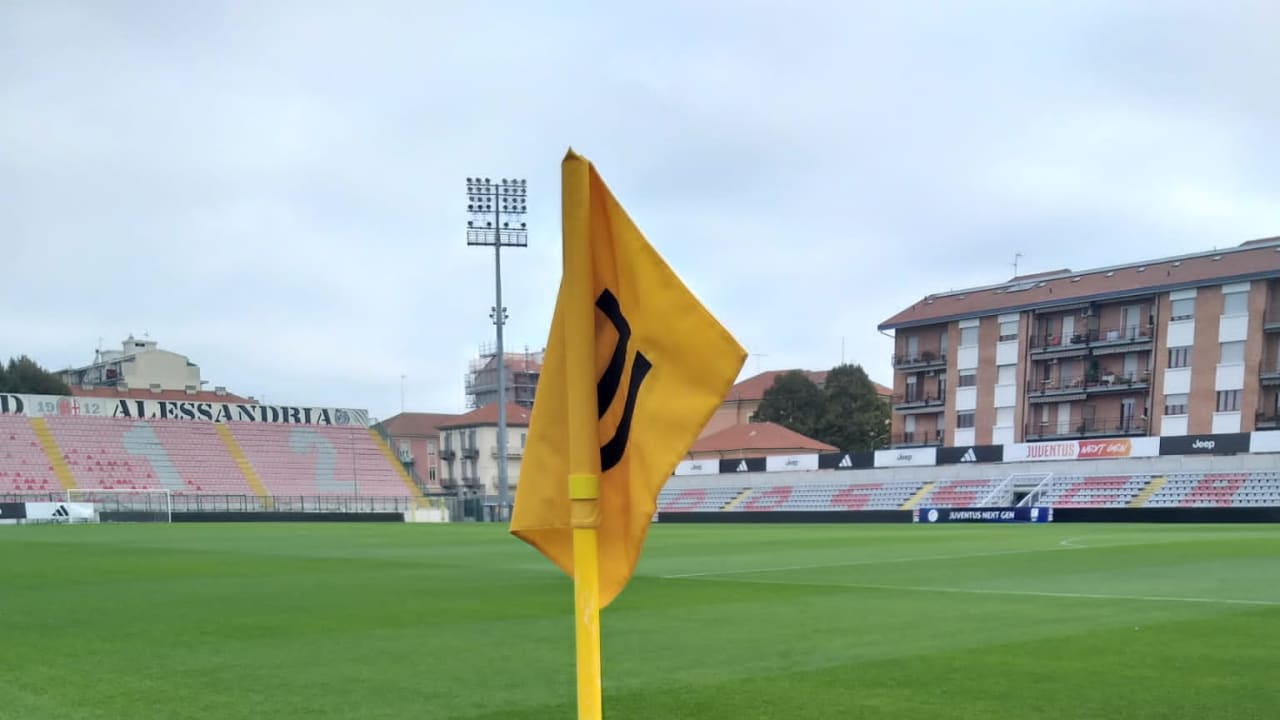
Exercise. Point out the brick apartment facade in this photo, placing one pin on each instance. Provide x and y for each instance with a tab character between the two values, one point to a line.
1175	346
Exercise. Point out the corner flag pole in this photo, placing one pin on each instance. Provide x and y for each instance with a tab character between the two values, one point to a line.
584	443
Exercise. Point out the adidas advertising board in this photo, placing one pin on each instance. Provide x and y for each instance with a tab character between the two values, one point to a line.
742	465
984	515
970	454
846	461
59	511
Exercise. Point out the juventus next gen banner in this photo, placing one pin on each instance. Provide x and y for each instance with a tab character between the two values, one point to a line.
988	515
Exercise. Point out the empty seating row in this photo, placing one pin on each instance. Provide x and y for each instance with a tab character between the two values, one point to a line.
192	457
1249	489
960	493
829	496
1243	489
1079	491
696	499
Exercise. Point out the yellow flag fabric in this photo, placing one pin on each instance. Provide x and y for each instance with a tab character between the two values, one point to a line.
663	365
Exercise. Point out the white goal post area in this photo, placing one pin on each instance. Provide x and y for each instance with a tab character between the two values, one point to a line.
152	505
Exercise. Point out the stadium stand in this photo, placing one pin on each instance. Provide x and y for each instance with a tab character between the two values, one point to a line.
317	460
1218	490
24	467
696	499
1079	491
194	457
959	493
1252	489
829	496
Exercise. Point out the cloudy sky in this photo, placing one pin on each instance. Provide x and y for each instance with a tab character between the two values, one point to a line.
276	189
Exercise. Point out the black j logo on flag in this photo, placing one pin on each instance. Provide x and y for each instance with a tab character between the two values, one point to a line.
611	453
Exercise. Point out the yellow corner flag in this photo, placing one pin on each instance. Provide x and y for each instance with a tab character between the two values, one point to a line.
634	368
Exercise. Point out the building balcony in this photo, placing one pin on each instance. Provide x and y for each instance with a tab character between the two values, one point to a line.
471	453
1106	340
908	403
1270	377
448	454
1271	321
920	361
513	451
471	481
1066	389
916	438
1087	428
1267	421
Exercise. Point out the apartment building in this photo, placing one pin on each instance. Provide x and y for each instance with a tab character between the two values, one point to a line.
1176	346
469	449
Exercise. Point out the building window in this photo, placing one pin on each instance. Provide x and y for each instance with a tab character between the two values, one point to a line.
431	474
968	378
1179	357
968	336
964	420
431	446
1183	309
522	439
1236	303
1175	404
1008	330
1005	375
1004	417
1228	401
1232	352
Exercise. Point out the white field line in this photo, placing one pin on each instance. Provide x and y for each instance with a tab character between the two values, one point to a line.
880	561
1067	544
1016	593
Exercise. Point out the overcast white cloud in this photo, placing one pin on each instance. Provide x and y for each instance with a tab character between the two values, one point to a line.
276	189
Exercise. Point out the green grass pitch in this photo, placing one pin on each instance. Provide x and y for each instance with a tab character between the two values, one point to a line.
738	622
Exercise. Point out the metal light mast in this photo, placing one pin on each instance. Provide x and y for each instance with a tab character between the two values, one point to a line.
497	219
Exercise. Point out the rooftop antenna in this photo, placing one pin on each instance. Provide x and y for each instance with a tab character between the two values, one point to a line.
1016	256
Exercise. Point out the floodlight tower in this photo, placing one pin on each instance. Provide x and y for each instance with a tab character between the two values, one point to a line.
497	219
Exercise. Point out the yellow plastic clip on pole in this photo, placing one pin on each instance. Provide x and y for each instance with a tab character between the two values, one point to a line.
584	442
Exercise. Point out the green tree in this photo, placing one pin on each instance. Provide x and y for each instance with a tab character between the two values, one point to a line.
24	375
793	401
854	417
